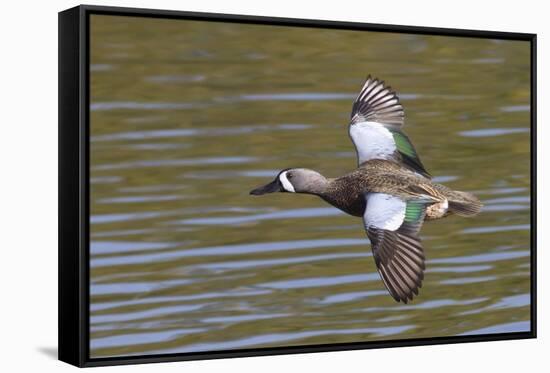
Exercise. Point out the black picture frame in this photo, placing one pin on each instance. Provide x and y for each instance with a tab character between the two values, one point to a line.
73	250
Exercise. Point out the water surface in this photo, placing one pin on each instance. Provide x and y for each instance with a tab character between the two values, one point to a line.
187	117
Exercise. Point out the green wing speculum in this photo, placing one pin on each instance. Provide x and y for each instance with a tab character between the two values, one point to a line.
408	153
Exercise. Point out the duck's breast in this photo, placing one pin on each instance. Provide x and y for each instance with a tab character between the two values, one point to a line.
347	194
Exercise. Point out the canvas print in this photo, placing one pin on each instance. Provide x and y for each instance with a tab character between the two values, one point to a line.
259	186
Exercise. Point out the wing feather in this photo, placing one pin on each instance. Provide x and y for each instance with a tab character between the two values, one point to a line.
375	127
366	107
397	249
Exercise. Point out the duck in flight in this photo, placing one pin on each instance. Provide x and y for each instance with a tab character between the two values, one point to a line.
390	189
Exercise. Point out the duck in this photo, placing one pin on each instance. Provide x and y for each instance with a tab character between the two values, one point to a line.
389	189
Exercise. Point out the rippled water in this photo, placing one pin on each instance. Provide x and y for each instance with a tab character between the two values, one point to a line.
187	117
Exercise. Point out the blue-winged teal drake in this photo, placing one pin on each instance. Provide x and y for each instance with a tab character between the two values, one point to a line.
390	189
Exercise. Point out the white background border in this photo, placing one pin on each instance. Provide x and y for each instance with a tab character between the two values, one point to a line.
28	182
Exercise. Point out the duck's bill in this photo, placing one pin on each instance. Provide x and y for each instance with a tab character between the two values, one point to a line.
274	186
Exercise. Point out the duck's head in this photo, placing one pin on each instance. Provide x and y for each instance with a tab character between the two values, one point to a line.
293	180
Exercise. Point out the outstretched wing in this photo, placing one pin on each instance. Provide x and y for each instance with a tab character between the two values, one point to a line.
375	127
392	226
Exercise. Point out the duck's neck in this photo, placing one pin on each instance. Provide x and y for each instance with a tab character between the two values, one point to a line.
317	185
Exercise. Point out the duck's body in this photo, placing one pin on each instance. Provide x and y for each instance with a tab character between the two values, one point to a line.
390	189
347	192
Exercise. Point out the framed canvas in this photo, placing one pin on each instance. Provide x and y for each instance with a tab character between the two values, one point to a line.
235	186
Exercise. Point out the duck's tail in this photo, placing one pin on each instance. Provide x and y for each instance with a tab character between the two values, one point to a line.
463	203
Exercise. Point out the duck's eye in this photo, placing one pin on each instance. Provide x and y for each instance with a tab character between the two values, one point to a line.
289	175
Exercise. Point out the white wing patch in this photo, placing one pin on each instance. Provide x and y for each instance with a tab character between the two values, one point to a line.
286	183
384	211
372	141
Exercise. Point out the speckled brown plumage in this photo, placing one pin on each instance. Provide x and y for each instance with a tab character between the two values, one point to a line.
380	176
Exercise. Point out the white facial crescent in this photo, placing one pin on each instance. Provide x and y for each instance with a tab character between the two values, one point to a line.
286	184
